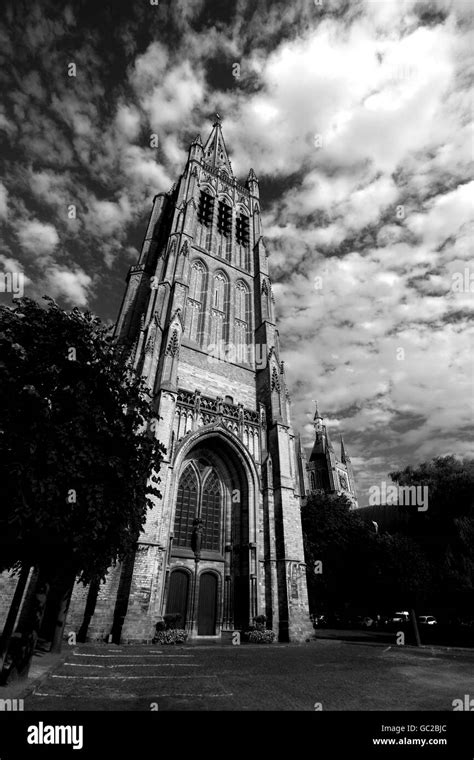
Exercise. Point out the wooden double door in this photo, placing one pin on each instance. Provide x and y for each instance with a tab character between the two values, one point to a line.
179	599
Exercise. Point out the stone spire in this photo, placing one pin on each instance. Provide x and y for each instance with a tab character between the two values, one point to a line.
344	457
215	151
318	417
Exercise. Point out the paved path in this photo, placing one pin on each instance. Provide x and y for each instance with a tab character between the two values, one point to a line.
338	675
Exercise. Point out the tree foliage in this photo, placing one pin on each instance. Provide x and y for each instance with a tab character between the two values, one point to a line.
74	447
445	531
336	536
450	483
402	573
429	559
359	568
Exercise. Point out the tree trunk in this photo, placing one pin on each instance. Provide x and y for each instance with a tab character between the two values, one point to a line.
89	610
61	615
13	613
21	649
123	596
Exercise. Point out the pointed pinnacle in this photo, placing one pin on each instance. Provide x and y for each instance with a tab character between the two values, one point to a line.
317	415
344	457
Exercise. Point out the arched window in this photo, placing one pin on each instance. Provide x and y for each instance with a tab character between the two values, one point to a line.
265	300
242	301
205	216
242	239
218	331
194	309
242	321
197	281
218	292
200	495
224	229
211	512
186	507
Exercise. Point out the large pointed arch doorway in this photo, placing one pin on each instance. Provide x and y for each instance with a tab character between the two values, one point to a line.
210	539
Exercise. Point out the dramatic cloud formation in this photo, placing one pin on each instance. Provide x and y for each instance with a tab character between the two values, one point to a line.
357	119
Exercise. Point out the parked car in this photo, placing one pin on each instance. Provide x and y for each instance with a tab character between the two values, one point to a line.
427	620
401	617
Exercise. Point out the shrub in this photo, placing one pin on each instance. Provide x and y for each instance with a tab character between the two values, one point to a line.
260	622
260	636
170	636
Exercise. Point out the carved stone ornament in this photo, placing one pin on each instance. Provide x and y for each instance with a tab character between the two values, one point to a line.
275	380
173	345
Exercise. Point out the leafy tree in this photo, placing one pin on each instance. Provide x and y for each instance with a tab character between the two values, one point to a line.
402	572
359	568
450	483
75	448
445	531
337	537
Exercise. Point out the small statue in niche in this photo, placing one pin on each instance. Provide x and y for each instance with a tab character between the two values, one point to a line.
196	538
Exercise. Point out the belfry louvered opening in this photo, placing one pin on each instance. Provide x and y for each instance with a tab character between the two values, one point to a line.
224	219
206	209
242	230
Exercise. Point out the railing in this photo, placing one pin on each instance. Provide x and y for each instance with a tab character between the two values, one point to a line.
194	410
225	178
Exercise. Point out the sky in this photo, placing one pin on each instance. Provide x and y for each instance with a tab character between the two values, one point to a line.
357	119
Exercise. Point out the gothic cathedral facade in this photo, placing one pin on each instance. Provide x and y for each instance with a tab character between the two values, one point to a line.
224	543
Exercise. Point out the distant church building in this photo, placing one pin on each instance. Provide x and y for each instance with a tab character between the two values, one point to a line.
324	471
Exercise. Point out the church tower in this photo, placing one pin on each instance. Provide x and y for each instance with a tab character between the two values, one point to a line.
224	543
324	471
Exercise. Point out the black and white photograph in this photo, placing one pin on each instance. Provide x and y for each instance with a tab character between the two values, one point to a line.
236	351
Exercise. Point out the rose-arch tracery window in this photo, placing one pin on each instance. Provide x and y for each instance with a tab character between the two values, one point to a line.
200	495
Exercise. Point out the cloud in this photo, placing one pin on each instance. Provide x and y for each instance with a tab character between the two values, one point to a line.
108	218
71	285
444	215
3	201
128	121
38	238
357	118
